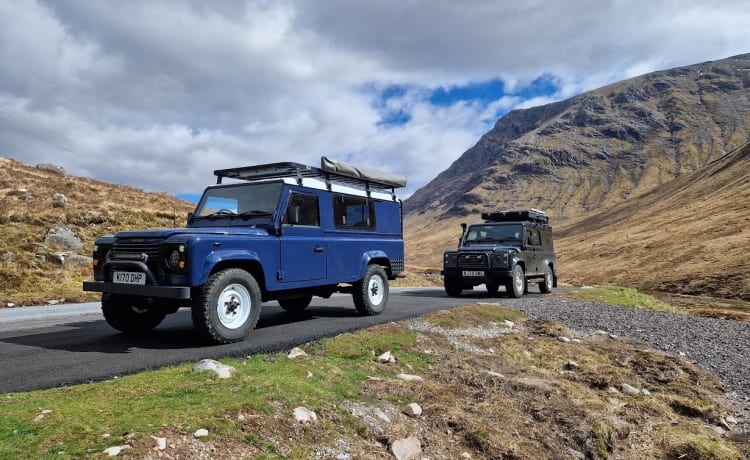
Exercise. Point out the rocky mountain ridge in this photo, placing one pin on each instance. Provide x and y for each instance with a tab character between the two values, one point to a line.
601	147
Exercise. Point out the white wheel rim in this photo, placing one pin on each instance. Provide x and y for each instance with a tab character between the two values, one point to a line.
518	280
233	306
548	280
376	290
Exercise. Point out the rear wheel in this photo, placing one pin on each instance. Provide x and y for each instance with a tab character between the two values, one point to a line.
371	292
295	304
228	306
545	287
131	314
452	286
517	284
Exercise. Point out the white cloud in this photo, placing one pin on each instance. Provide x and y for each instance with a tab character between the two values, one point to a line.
158	94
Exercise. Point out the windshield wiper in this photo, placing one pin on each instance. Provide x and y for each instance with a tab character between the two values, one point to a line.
254	212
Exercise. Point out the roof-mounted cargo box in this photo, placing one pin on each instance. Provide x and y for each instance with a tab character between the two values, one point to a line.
516	215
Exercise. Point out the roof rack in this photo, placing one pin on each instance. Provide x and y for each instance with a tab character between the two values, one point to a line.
515	215
329	171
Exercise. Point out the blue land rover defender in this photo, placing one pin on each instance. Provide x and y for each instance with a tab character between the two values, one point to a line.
281	231
510	248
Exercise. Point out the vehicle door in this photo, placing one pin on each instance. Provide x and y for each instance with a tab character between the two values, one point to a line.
533	251
303	253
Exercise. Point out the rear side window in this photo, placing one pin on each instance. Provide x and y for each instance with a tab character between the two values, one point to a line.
352	212
547	240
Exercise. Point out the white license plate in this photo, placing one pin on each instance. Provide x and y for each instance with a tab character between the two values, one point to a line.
473	274
129	277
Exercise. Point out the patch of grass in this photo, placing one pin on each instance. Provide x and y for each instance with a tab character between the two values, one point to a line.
473	315
619	295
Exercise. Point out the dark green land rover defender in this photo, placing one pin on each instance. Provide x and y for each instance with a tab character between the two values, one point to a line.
511	248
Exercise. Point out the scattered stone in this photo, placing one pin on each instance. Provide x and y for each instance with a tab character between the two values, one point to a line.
296	352
413	410
304	415
731	419
114	451
645	392
65	238
53	302
571	365
222	371
106	436
9	256
575	340
631	390
407	449
682	354
409	377
161	443
613	390
723	423
386	358
465	455
59	170
612	336
202	433
563	339
509	324
41	415
59	200
493	374
10	305
309	375
600	332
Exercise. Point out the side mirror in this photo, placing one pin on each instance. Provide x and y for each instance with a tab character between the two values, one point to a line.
189	217
463	233
292	215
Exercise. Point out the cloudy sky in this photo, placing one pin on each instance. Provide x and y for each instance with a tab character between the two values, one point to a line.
158	94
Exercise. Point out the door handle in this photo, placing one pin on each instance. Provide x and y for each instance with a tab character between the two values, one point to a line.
319	249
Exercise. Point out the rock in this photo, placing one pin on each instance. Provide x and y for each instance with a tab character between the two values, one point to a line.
10	305
57	257
413	410
493	374
409	377
723	423
465	455
221	370
407	449
53	302
296	352
571	365
114	451
202	433
309	375
386	358
9	256
161	443
509	324
628	389
304	415
65	238
59	200
731	419
59	170
645	392
41	415
563	339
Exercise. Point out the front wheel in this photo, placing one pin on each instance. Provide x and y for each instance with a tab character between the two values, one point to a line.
228	306
545	287
517	285
371	292
452	286
130	314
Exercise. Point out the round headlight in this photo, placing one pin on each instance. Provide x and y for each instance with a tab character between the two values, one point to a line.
174	258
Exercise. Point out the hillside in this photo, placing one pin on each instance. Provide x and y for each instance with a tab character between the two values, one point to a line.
599	148
30	269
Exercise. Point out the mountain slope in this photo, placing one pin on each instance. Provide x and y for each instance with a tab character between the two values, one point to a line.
689	236
601	147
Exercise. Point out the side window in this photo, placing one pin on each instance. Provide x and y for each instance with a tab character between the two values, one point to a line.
532	237
351	212
308	208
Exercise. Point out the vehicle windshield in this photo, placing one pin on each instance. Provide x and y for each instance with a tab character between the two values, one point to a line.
240	200
483	234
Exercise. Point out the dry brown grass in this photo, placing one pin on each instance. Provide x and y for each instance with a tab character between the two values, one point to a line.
94	209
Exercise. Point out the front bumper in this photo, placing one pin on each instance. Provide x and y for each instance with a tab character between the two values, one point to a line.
165	292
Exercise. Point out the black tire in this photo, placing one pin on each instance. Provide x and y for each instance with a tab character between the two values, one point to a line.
492	287
370	294
517	284
545	287
295	304
452	286
131	314
228	306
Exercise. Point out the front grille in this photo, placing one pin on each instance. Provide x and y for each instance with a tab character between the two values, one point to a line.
135	249
473	260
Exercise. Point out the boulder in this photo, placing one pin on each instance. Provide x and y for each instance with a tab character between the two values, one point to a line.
407	449
221	370
65	238
57	169
59	200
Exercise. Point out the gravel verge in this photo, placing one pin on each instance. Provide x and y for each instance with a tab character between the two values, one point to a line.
720	346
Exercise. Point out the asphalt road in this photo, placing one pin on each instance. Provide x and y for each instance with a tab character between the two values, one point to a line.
44	347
